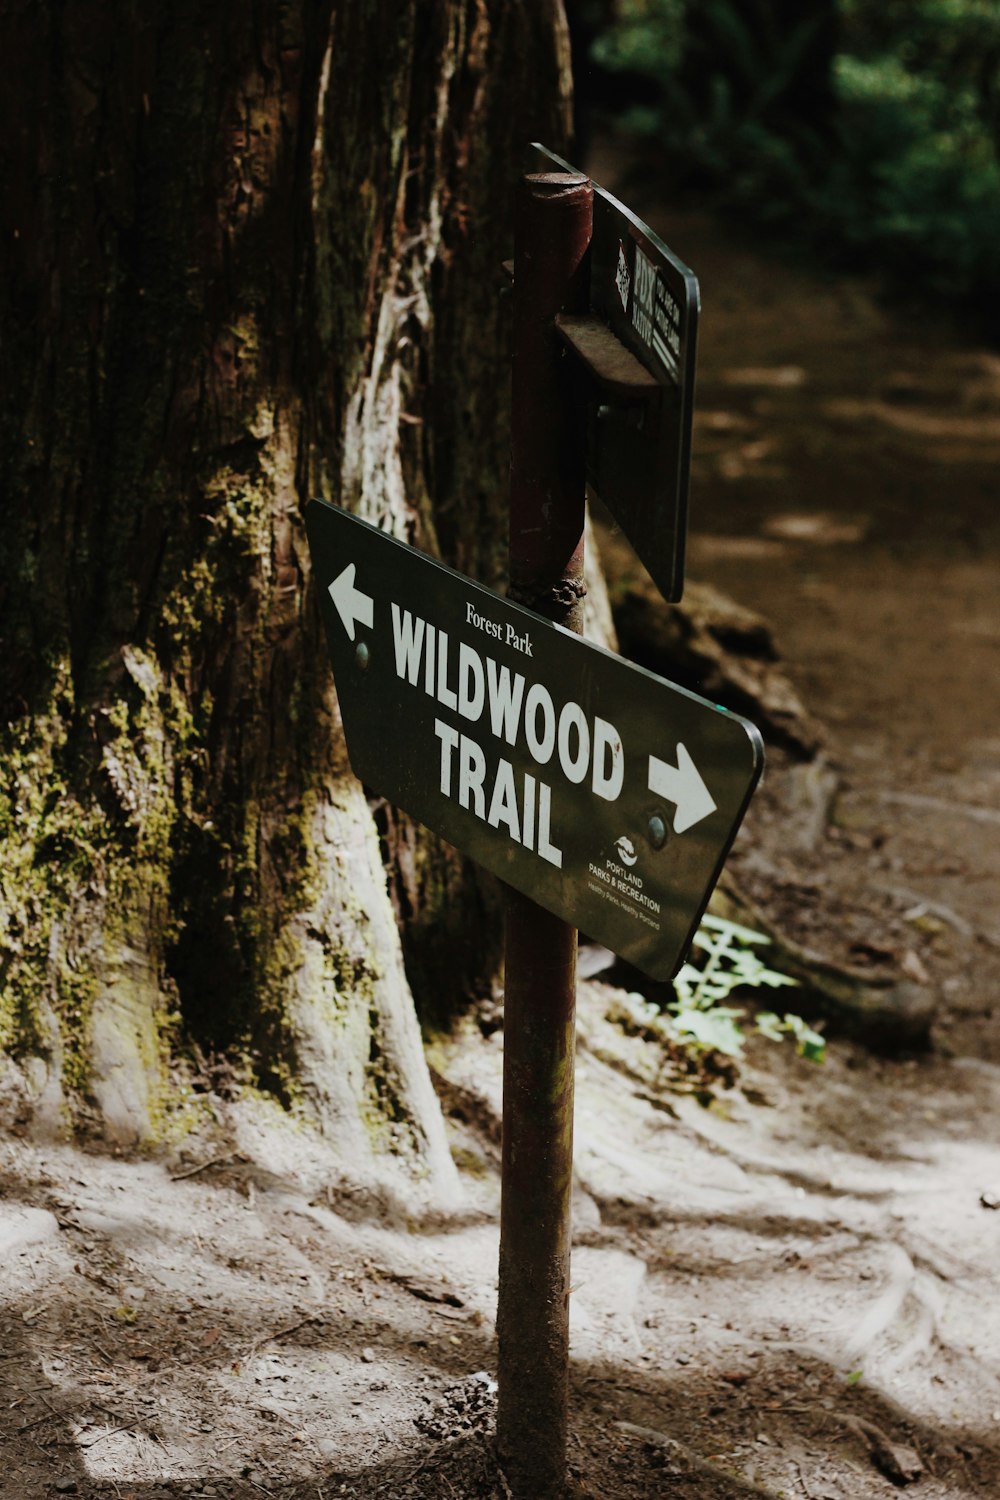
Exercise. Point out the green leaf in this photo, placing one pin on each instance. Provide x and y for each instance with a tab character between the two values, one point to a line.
769	1025
714	1028
700	1012
809	1043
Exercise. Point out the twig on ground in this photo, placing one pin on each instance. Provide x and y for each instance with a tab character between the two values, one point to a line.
213	1161
281	1333
112	1433
257	1486
802	1480
933	908
38	1422
53	1409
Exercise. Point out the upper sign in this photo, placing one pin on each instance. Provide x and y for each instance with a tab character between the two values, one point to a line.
639	456
602	792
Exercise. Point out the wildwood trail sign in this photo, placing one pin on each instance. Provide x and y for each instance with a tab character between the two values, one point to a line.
606	794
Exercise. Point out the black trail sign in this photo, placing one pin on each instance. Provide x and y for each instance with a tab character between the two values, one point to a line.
606	794
639	441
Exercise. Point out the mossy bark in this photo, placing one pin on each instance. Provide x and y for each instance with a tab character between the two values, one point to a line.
248	255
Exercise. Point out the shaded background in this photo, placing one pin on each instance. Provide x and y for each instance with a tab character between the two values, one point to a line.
830	172
863	133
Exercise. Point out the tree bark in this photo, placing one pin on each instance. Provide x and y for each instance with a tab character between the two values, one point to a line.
248	256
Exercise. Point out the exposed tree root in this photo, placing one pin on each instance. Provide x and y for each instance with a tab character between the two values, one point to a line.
890	1013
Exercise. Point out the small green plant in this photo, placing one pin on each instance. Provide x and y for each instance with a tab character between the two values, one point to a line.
731	963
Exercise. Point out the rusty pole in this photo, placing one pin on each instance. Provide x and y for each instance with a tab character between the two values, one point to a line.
552	228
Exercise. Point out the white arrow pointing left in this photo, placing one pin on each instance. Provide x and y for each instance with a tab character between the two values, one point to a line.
682	785
352	605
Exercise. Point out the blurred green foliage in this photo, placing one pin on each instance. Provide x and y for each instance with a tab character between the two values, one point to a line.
867	129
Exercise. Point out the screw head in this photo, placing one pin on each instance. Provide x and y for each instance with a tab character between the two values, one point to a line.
362	656
656	831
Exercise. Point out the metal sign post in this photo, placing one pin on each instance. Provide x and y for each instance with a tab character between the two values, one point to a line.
552	230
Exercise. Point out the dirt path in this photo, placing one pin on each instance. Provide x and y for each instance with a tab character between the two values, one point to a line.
792	1292
845	486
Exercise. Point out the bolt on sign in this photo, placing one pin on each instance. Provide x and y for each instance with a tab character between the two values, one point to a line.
606	794
646	301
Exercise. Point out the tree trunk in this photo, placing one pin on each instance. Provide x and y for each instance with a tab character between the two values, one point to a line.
248	256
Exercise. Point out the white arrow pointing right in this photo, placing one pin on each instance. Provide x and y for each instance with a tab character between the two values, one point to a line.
352	604
682	785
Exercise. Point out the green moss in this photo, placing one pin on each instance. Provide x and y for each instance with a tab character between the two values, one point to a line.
50	857
389	1124
176	1108
76	876
471	1162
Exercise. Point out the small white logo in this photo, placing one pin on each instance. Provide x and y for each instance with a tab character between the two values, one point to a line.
626	851
622	277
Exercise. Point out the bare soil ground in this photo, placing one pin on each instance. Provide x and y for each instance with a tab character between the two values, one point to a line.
789	1290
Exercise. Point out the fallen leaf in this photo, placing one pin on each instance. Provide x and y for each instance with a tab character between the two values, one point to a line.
913	968
428	1291
211	1336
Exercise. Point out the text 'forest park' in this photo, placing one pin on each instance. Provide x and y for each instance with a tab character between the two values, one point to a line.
517	712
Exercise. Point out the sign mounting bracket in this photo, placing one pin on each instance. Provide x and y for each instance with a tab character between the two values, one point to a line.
641	310
611	367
